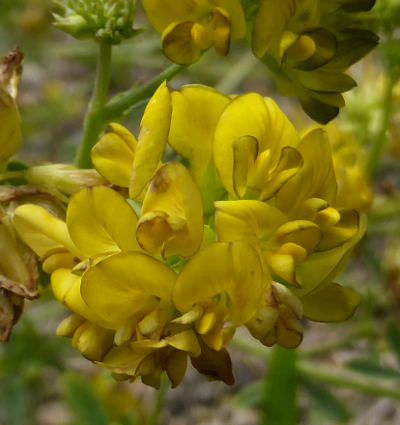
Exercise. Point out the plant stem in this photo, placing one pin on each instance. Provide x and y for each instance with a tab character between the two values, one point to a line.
159	398
280	388
337	378
94	121
124	101
379	142
347	379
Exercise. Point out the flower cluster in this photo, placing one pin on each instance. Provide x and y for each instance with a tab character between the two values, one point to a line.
103	20
165	261
307	44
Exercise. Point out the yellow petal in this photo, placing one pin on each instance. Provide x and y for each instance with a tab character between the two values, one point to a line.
202	36
344	230
122	360
172	213
94	342
69	325
66	288
301	232
101	221
58	260
271	20
245	151
252	115
162	12
231	268
221	24
153	135
236	16
246	115
41	231
290	162
333	303
113	155
321	268
195	113
179	45
121	285
249	220
185	341
316	179
282	265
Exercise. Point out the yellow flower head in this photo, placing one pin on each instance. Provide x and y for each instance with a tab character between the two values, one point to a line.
249	233
189	27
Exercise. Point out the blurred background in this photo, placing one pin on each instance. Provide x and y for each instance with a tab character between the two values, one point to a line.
43	380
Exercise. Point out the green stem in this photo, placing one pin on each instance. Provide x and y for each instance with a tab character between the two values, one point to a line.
339	378
347	379
159	398
94	121
280	388
378	146
126	100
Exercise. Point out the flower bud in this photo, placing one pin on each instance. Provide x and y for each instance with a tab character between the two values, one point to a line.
63	178
103	20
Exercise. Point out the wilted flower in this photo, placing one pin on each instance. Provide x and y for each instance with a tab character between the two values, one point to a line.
10	120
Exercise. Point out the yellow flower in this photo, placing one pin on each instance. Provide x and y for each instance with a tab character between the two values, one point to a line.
125	162
349	160
10	120
189	27
219	289
255	147
133	291
68	247
308	46
195	113
171	220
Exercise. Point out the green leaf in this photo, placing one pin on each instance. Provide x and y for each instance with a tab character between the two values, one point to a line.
17	166
280	388
372	368
249	397
324	401
393	335
84	404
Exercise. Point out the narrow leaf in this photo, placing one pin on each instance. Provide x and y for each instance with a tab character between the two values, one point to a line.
371	368
324	401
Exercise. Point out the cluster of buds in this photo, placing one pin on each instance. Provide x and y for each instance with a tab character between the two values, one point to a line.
166	261
307	44
104	20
